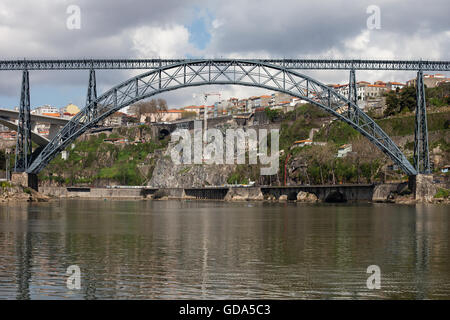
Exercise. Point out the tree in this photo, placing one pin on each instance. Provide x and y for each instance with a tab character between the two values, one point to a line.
156	107
400	101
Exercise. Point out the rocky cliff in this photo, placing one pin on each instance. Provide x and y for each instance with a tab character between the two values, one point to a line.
166	174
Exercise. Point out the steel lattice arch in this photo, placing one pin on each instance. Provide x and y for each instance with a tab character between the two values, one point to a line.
220	72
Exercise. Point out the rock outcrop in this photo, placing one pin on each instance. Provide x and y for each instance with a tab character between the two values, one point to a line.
12	192
385	192
303	196
244	194
169	175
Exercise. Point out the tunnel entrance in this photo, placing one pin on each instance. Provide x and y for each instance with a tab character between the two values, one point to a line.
335	197
163	133
292	196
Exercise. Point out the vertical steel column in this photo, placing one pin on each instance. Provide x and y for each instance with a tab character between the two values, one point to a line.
421	153
92	95
23	142
352	94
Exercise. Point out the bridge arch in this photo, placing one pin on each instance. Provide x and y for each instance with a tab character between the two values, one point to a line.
221	72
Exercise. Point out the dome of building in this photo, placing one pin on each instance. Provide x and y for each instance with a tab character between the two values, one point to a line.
72	109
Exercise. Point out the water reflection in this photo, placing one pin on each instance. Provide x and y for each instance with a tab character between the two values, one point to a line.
207	250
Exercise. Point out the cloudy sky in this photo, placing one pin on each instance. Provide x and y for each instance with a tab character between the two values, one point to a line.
409	29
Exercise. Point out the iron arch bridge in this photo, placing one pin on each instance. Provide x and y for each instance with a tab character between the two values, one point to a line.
220	72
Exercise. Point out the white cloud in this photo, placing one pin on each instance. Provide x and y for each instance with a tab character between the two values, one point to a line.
259	29
169	42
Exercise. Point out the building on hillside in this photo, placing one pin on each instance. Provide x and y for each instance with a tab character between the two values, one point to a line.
162	116
265	100
277	97
254	102
118	119
242	105
374	91
195	109
233	102
46	110
344	150
395	85
295	101
8	135
4	128
199	110
69	111
380	83
302	143
430	80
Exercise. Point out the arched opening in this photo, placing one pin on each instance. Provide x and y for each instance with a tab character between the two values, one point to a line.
163	133
336	197
292	196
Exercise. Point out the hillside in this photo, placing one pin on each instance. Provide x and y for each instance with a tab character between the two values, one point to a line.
128	155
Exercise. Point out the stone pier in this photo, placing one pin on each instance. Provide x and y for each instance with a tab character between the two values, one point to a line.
29	180
422	187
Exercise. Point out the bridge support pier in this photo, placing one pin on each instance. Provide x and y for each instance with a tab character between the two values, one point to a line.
92	94
422	187
29	180
23	143
352	94
421	154
52	131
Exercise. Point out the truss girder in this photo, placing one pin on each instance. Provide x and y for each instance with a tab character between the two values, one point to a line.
236	72
314	64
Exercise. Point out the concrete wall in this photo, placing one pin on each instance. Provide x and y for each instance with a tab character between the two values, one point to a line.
332	193
336	193
97	193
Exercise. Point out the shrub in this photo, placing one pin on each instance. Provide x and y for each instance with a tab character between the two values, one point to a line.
442	193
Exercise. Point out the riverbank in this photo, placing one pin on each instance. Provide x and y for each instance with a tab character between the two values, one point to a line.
381	193
11	192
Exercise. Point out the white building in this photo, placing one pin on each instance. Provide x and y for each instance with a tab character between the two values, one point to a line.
344	150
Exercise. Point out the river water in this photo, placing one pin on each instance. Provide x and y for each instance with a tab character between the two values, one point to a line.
222	250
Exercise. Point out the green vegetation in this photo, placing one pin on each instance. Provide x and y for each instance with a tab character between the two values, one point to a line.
442	193
239	176
404	100
272	114
242	174
184	170
318	164
338	133
5	185
298	123
402	126
400	101
92	160
438	96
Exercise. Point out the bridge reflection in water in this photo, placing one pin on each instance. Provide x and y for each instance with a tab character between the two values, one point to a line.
173	249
